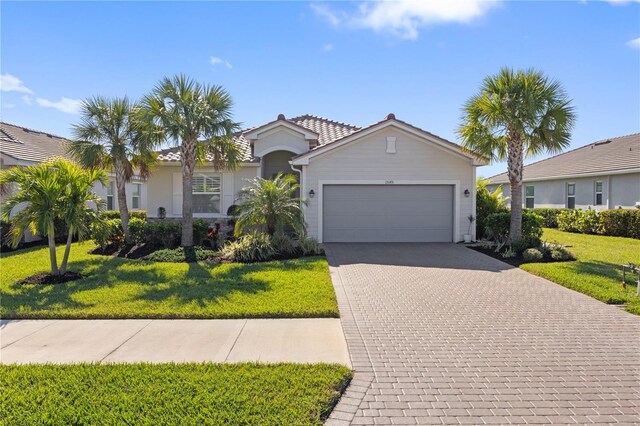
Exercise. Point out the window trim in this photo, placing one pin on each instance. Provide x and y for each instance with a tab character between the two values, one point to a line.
596	193
111	186
571	196
136	195
219	193
527	197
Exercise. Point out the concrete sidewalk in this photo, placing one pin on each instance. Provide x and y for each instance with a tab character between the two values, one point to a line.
264	340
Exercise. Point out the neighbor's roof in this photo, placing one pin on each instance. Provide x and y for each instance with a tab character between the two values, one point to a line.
30	145
604	156
327	130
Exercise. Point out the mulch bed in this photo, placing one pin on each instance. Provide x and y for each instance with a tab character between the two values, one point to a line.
136	251
513	261
45	278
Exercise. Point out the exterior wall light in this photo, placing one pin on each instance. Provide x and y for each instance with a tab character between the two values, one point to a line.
312	193
467	193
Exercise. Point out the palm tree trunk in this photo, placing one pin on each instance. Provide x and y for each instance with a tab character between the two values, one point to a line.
121	182
67	249
188	153
515	166
51	234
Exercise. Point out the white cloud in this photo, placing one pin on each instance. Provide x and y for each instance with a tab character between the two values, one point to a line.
634	44
11	83
327	47
27	99
70	106
404	18
219	61
621	2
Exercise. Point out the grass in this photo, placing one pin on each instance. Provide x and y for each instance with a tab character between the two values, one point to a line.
123	288
170	394
597	271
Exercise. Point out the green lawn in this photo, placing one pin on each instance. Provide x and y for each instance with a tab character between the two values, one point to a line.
170	394
596	272
122	288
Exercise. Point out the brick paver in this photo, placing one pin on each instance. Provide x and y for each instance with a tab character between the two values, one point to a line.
440	334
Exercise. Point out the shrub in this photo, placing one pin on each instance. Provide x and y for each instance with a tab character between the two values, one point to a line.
528	242
284	245
588	222
115	214
532	255
165	233
200	231
254	247
620	223
182	254
107	231
5	234
568	220
560	254
138	230
233	210
509	253
310	246
497	226
549	216
487	203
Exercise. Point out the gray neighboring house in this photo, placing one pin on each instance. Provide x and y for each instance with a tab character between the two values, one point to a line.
387	182
601	175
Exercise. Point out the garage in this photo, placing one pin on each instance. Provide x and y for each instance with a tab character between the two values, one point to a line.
387	213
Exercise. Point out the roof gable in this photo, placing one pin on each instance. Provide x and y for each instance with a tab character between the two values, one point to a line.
281	121
28	145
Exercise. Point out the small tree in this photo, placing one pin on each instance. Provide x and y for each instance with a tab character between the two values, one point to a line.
517	113
270	204
487	202
109	137
54	190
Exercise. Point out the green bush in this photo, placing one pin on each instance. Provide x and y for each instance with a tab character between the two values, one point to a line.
560	254
5	234
487	203
497	226
138	230
620	223
549	216
107	231
528	242
233	210
200	231
182	254
284	245
250	248
568	220
588	222
310	247
115	214
532	255
165	232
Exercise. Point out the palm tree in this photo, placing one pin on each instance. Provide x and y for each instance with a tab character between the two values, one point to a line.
54	190
271	205
109	137
517	114
197	118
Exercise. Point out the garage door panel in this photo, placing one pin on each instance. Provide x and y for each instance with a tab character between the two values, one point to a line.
387	213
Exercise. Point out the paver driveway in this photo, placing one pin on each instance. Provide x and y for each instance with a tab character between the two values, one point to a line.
440	334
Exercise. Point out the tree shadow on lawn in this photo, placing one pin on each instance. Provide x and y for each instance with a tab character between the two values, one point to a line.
198	284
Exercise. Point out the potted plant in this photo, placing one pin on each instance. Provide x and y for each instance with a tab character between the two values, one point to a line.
467	237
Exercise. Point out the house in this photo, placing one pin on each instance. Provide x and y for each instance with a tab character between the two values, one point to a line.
387	182
601	175
22	146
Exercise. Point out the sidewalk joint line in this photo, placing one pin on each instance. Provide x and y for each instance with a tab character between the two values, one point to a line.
30	334
121	344
236	341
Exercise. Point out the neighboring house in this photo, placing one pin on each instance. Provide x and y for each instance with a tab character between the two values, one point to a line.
388	182
602	175
21	146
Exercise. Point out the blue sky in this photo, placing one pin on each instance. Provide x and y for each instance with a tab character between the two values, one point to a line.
350	61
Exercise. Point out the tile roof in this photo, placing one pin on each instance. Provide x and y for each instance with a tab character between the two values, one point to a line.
609	155
30	145
327	130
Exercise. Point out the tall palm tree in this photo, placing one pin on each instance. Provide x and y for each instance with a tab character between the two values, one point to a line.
198	119
517	114
109	137
270	204
54	190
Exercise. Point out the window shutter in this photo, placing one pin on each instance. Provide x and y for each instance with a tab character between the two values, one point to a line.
177	194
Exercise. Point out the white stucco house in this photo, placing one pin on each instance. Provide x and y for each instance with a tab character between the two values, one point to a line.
387	182
601	175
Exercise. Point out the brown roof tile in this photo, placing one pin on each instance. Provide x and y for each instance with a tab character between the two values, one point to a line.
30	145
604	156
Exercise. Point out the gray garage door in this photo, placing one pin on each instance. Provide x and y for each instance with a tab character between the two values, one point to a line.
387	213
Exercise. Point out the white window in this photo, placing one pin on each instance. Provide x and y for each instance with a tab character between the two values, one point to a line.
529	195
110	191
598	191
135	197
571	195
206	192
